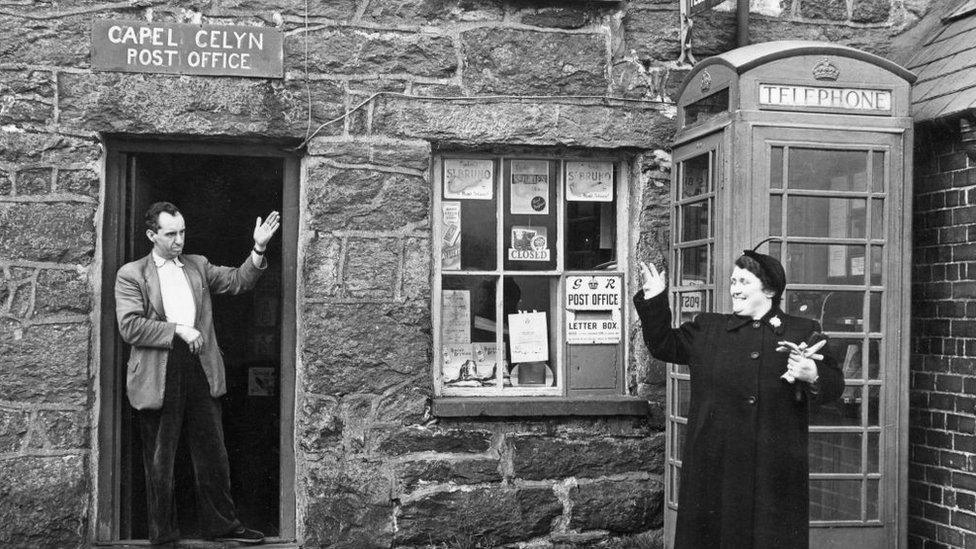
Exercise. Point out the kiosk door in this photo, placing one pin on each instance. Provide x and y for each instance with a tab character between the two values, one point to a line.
832	202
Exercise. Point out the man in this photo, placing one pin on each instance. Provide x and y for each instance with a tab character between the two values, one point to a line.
176	373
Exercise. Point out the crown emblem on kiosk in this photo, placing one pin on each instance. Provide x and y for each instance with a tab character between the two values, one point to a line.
706	81
825	70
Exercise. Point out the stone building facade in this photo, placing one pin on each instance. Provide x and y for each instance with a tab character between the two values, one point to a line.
391	84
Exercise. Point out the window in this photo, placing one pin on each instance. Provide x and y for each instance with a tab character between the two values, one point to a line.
528	296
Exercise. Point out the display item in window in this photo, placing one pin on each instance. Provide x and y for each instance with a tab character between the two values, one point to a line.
744	465
530	187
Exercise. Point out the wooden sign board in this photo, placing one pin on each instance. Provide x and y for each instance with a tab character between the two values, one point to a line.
175	48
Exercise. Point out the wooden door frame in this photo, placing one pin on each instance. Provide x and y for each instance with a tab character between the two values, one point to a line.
111	384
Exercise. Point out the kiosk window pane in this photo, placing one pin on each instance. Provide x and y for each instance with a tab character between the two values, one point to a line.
776	168
847	353
872	503
694	266
826	217
874	361
822	169
682	389
825	264
877	218
707	107
835	499
878	169
775	215
877	254
846	411
694	221
874	451
835	452
695	176
836	311
874	402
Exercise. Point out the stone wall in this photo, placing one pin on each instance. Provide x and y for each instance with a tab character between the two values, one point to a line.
942	466
381	86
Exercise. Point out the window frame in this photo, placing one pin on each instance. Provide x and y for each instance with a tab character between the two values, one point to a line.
557	315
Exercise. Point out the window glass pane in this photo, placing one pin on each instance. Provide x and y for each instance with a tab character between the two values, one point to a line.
591	235
695	180
874	401
877	255
776	168
675	483
847	353
835	452
846	411
467	216
835	311
682	391
775	215
469	357
874	450
694	266
835	499
872	503
877	218
678	444
825	264
878	171
530	215
825	217
530	352
874	362
875	312
823	169
694	221
707	107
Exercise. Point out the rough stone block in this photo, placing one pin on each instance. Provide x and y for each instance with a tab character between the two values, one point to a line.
27	97
653	32
483	122
346	50
405	405
833	10
44	501
29	147
59	40
319	424
322	257
871	11
371	267
342	353
62	233
60	429
338	10
351	199
515	61
414	155
343	521
416	269
421	12
487	516
714	33
557	18
619	506
84	182
6	183
537	457
412	474
150	103
13	429
34	181
44	363
419	439
61	292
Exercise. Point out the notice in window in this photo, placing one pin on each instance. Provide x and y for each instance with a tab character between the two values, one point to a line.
593	327
589	181
450	236
593	293
528	337
455	316
469	365
530	187
529	244
468	179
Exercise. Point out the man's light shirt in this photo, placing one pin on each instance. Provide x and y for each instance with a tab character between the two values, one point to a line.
175	288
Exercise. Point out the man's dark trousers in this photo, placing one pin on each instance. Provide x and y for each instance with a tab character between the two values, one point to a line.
187	408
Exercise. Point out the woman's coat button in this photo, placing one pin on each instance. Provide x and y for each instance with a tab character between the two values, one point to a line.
751	400
756	324
754	355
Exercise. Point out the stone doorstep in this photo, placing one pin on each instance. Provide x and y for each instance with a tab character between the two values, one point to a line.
270	543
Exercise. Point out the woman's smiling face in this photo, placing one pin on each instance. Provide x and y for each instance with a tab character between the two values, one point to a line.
749	298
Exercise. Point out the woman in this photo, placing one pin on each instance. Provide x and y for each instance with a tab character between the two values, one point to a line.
744	465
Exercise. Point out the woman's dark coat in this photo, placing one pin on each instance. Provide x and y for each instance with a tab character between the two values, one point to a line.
744	465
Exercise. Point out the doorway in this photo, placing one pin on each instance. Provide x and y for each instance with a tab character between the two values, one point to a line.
220	189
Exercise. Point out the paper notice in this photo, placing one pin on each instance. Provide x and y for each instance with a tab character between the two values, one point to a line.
450	236
528	337
455	316
468	179
589	181
530	187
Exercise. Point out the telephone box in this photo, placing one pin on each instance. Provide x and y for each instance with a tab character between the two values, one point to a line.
811	143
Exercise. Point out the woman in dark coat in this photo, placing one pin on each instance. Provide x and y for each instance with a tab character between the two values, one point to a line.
744	466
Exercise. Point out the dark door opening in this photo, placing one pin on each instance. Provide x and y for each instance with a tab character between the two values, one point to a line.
220	197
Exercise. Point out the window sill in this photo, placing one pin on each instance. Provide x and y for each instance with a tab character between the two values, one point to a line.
540	406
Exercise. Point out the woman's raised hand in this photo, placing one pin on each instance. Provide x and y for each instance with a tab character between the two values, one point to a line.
652	281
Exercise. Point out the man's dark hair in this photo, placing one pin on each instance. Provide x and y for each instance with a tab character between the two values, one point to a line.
152	214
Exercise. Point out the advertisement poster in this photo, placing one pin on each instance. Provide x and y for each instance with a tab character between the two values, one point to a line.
528	337
589	181
468	179
455	316
593	327
530	187
450	236
593	293
529	244
469	364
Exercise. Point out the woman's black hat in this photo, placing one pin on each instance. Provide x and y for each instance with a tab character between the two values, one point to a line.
771	267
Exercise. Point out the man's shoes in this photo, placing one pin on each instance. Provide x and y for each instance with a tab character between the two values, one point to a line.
242	535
